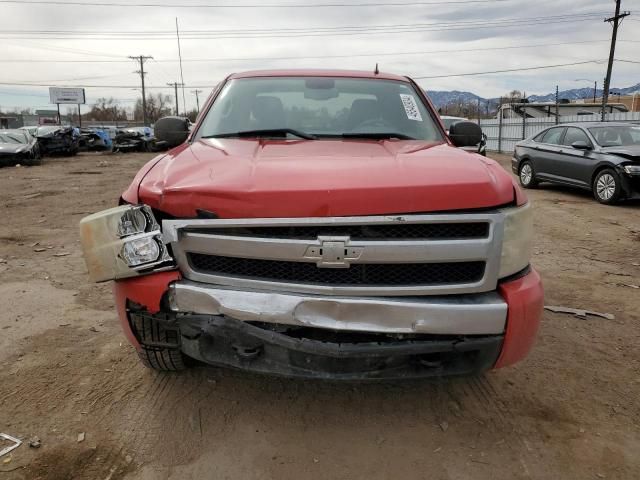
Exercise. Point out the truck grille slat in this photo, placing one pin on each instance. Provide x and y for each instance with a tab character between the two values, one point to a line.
400	274
408	231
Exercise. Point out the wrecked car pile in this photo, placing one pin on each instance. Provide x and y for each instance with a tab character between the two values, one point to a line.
137	139
94	140
58	140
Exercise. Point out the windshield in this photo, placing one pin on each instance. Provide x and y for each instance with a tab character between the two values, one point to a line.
12	137
309	107
616	135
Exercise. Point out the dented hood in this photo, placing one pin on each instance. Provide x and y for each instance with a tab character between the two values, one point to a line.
248	178
630	152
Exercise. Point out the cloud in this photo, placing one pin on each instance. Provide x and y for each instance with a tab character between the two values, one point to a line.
139	22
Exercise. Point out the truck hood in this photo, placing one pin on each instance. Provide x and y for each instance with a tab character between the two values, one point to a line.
249	178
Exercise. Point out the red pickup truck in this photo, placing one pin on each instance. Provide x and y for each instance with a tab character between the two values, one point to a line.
321	224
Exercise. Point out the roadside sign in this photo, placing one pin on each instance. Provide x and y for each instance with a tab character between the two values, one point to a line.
74	96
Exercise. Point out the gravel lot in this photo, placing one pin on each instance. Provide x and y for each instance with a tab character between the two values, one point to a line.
570	411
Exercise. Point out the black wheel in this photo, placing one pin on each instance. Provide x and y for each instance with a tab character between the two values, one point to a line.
152	332
527	175
606	187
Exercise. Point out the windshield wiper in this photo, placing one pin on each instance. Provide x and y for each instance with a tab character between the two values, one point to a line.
273	132
376	135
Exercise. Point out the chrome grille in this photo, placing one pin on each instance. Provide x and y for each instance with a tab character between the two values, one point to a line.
365	256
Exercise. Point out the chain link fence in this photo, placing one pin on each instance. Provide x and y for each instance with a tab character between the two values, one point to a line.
503	134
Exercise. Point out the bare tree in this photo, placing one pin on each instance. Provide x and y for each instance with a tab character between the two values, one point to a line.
157	106
107	109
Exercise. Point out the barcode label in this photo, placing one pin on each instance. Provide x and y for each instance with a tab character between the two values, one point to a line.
411	107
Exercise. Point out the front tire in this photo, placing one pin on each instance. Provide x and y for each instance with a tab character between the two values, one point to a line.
152	332
527	176
607	188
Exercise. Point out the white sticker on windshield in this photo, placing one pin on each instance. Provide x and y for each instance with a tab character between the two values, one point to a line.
411	107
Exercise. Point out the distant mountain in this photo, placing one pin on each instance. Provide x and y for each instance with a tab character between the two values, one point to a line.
442	98
586	93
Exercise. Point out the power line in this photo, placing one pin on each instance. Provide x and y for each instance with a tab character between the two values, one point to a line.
309	57
184	100
422	77
302	29
524	22
74	51
272	5
521	69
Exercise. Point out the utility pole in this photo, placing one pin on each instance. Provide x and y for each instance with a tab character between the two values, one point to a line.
175	85
615	20
595	90
142	59
197	94
557	104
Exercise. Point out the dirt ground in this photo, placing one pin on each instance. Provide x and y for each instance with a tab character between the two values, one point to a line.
570	411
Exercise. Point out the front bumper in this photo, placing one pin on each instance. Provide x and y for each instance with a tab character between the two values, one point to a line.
321	354
339	338
473	314
630	185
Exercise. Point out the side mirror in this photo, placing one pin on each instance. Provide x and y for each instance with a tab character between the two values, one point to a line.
172	131
580	145
465	134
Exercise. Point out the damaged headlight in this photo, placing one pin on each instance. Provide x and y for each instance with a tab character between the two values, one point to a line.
132	222
517	240
122	242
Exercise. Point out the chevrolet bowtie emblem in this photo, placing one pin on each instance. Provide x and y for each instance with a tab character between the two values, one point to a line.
333	252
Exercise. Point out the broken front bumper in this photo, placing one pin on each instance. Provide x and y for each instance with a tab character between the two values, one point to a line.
338	337
315	353
473	314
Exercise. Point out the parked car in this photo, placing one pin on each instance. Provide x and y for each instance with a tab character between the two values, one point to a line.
481	148
320	224
18	147
601	157
57	140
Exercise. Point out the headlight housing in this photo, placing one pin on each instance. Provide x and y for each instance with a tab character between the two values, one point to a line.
123	242
517	240
632	169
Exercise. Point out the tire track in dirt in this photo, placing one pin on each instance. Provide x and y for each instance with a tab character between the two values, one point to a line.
127	447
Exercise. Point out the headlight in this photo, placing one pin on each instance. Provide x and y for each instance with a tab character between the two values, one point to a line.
132	222
122	242
140	251
632	169
517	240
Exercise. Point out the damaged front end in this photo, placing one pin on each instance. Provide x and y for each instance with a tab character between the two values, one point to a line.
403	297
307	352
54	140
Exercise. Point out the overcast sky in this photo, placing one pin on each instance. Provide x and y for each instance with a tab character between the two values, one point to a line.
489	25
